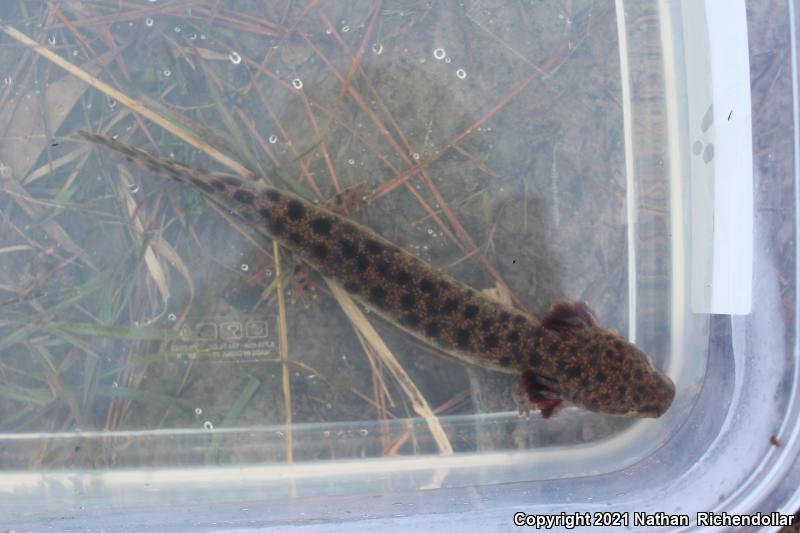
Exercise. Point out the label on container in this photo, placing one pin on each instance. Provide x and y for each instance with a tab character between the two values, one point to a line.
225	339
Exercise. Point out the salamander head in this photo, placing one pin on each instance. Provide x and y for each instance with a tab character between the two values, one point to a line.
610	375
605	373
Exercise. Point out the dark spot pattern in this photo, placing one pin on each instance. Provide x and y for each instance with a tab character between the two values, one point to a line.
377	295
486	324
352	287
534	359
362	263
491	341
553	348
427	286
295	210
319	251
200	184
275	226
245	197
321	226
450	306
383	269
348	248
600	376
410	320
230	180
402	277
273	196
432	330
219	185
462	338
373	246
471	311
505	361
408	301
574	371
513	336
296	238
519	320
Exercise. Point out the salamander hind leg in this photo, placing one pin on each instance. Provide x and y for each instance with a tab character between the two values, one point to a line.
349	201
303	288
533	392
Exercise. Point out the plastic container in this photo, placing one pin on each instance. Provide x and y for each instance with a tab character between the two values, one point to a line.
681	233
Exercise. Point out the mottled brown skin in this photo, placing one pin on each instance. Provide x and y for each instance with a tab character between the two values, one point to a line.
565	357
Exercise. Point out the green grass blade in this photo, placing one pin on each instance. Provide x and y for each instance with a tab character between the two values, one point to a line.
241	402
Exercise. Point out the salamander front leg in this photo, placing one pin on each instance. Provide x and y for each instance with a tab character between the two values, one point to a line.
533	391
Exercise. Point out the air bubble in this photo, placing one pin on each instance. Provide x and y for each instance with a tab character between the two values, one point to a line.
345	29
245	267
133	187
208	425
415	155
235	57
351	161
193	36
198	411
430	231
461	73
115	385
328	31
171	317
377	49
447	59
273	139
177	29
364	432
439	53
52	39
148	21
297	83
167	72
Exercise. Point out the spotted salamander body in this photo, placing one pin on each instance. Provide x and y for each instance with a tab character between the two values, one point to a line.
565	356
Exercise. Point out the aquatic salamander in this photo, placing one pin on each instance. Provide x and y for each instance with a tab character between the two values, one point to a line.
566	356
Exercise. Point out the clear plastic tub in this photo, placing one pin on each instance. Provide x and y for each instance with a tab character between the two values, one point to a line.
633	155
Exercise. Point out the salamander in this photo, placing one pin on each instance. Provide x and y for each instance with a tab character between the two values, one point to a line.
565	356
